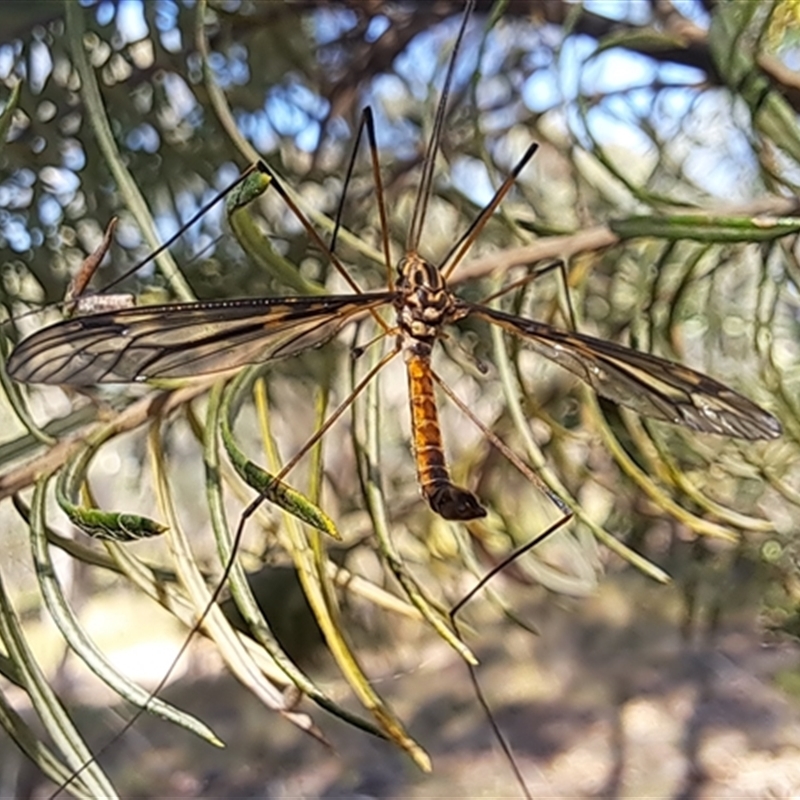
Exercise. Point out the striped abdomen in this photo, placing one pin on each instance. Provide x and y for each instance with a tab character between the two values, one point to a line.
443	496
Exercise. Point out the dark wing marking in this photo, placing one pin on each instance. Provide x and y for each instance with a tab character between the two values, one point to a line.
182	339
647	384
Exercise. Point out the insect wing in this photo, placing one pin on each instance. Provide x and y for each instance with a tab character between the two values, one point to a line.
645	383
182	339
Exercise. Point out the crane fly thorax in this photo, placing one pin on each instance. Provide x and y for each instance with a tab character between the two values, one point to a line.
424	302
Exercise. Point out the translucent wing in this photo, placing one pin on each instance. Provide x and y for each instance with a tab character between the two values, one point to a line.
182	339
649	385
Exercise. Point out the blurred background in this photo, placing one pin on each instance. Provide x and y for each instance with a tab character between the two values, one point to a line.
649	647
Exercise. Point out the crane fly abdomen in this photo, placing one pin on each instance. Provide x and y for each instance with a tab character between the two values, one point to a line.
443	496
423	306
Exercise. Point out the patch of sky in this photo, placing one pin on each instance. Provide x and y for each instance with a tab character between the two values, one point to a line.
16	234
541	91
718	154
338	130
17	191
417	65
331	60
786	167
378	25
623	83
567	70
791	58
327	28
8	58
420	72
307	140
680	74
166	16
329	25
131	24
166	21
50	212
217	212
498	103
238	64
693	11
388	97
621	10
256	128
171	40
230	69
718	176
627	108
306	100
143	137
213	225
14	196
217	64
284	116
225	175
670	109
25	178
552	38
105	13
187	205
608	129
63	183
36	237
617	70
470	177
293	111
181	98
496	90
127	234
196	237
166	219
73	156
41	66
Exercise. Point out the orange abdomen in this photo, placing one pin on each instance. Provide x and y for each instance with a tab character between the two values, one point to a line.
443	496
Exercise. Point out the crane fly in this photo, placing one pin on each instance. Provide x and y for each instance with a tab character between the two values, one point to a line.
183	340
190	339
